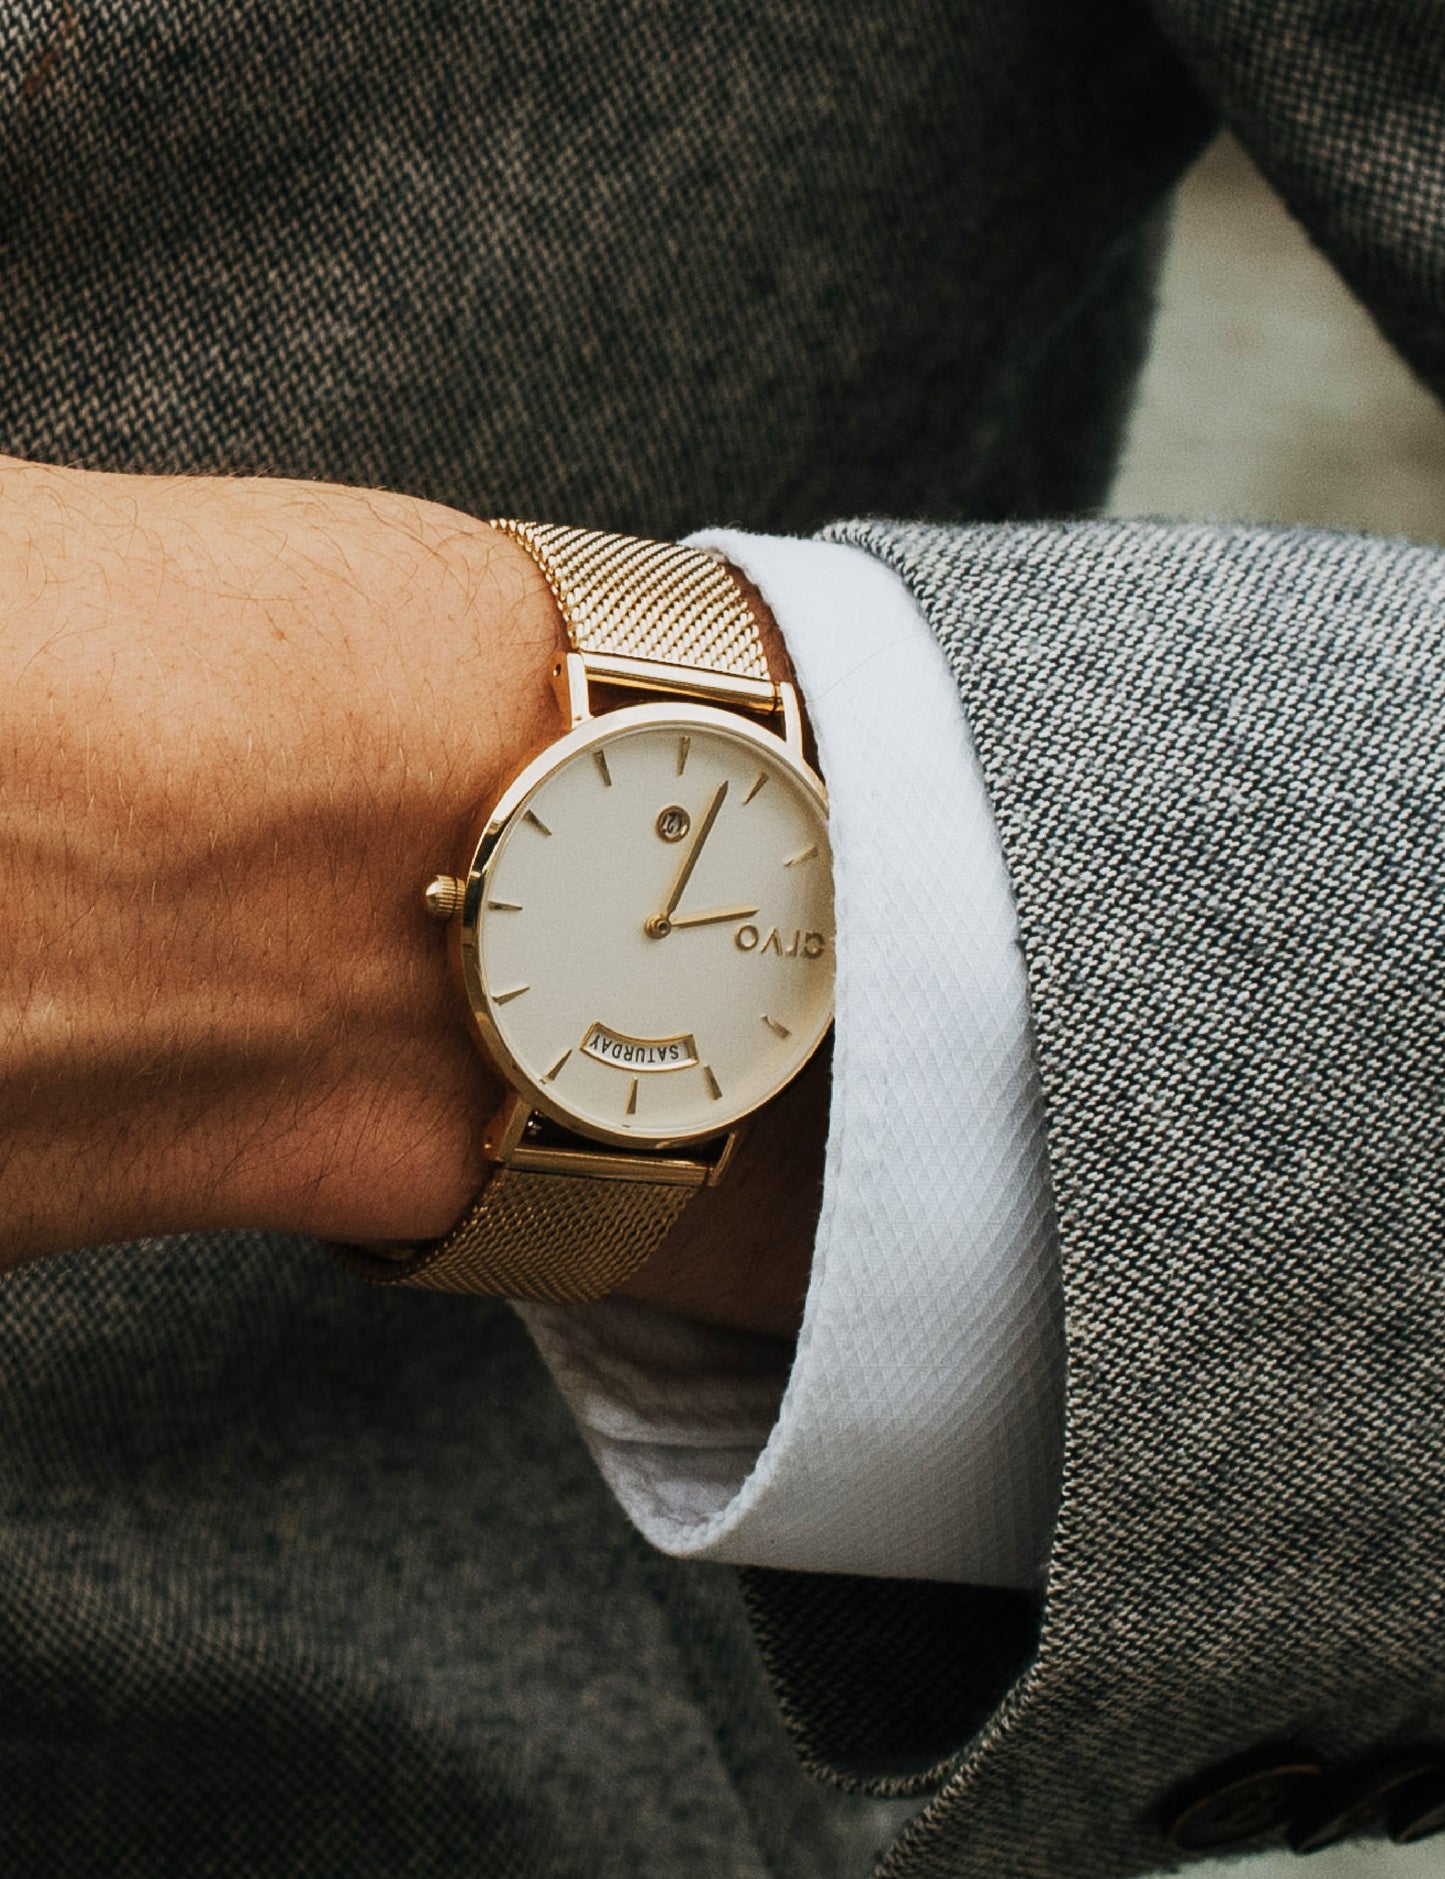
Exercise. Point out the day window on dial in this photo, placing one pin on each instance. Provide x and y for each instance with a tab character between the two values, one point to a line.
639	1053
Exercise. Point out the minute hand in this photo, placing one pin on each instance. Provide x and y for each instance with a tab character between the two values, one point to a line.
662	923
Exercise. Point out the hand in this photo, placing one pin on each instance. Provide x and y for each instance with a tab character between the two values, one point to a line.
742	1253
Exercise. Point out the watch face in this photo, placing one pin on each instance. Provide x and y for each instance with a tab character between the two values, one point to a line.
647	933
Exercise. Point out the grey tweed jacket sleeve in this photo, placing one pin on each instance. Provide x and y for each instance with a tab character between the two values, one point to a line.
1217	759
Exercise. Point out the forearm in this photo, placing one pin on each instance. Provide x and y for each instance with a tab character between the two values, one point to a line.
241	723
239	720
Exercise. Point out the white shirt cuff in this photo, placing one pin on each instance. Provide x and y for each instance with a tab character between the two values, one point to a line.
916	1430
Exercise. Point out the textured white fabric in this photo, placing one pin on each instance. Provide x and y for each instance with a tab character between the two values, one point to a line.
916	1431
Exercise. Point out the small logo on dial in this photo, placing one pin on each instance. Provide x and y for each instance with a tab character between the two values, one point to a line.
797	945
673	823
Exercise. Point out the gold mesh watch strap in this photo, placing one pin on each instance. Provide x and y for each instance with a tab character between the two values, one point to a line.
662	611
562	1237
651	601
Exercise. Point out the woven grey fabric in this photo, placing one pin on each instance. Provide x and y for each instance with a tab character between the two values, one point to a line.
298	1578
301	1578
1341	106
1218	766
632	266
1214	758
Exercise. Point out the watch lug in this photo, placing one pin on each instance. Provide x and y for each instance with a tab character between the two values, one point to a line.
725	1155
665	679
575	672
507	1139
569	682
503	1134
792	717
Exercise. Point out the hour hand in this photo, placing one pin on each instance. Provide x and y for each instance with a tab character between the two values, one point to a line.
713	918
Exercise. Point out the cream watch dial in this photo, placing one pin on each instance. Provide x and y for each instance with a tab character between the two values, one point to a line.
647	939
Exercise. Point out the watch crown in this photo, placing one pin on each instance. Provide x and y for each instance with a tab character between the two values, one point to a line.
443	896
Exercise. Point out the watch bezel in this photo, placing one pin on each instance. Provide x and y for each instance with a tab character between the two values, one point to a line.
513	801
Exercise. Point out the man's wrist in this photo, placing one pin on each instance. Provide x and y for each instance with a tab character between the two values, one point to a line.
241	720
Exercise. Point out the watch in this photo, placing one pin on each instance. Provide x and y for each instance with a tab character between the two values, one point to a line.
641	930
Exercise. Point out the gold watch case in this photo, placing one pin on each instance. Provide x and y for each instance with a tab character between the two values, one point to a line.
535	1094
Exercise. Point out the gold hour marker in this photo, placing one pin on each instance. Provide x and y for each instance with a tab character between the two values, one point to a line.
557	1066
778	1030
762	778
536	822
807	855
503	998
632	1098
712	1084
504	906
684	745
599	757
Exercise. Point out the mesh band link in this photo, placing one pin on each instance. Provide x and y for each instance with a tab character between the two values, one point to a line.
528	1235
646	600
